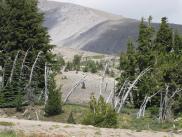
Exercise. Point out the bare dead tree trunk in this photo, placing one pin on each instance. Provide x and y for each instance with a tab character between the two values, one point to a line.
32	69
131	87
109	97
3	75
131	98
74	87
106	88
102	79
141	112
24	59
46	85
161	108
166	104
113	97
123	88
13	68
37	116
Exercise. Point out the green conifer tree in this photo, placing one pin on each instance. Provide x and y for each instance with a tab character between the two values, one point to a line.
164	37
22	30
71	119
54	104
100	114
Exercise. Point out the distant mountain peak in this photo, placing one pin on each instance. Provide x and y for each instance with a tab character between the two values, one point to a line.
79	27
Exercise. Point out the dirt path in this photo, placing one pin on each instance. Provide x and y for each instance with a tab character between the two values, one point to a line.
52	129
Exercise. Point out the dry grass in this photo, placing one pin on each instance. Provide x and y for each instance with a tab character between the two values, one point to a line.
8	124
22	134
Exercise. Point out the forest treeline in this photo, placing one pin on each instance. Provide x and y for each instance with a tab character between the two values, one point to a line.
161	52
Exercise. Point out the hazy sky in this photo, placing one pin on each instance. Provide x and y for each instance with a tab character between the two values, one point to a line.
137	8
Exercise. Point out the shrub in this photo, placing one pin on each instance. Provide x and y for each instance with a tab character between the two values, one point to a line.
100	114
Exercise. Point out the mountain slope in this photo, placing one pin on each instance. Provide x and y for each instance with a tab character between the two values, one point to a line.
74	26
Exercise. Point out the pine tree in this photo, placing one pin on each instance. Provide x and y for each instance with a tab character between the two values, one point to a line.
54	104
100	114
71	119
128	63
145	45
164	37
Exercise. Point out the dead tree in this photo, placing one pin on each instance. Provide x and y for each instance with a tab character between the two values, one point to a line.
122	90
23	62
32	69
109	97
73	88
102	79
46	84
28	88
113	97
141	112
105	90
2	77
129	89
112	92
166	103
13	68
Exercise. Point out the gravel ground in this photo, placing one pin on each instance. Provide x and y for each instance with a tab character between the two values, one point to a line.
52	129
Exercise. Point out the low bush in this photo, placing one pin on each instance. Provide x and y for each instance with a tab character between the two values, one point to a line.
100	114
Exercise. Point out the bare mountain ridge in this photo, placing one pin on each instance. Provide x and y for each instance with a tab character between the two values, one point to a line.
79	27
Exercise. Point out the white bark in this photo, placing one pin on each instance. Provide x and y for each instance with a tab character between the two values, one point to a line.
107	101
102	79
106	87
24	59
74	87
13	68
37	115
131	87
121	90
32	69
141	112
2	77
166	104
111	93
113	97
46	84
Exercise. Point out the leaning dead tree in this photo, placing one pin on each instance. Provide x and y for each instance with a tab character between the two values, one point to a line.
166	102
46	84
1	77
141	112
13	68
129	88
122	91
112	94
23	62
103	78
32	69
28	88
73	88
